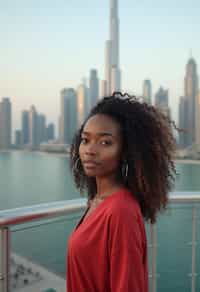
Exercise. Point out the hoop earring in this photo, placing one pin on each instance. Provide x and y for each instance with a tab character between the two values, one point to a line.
75	168
125	170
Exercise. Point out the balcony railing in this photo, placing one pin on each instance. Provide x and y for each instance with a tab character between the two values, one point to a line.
13	217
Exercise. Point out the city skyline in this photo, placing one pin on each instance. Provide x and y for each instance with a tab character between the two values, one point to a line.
48	46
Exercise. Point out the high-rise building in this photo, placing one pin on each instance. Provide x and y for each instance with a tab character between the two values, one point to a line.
41	128
25	127
112	70
103	91
5	123
33	137
161	101
50	132
18	138
68	117
197	122
147	91
183	121
191	92
93	87
82	104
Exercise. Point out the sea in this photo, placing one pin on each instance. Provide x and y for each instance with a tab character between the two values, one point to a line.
29	178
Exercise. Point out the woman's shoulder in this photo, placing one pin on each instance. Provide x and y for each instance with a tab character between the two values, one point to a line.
124	204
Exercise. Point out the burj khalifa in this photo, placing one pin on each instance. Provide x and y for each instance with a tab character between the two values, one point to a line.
112	70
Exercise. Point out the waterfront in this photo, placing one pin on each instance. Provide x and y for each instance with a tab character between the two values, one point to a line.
28	178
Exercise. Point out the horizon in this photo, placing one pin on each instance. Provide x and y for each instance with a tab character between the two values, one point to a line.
48	46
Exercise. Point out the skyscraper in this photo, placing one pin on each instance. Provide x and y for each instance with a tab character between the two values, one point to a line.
147	91
112	70
41	128
197	121
183	121
50	130
33	137
103	89
82	103
25	127
5	123
161	101
191	93
18	138
68	117
93	87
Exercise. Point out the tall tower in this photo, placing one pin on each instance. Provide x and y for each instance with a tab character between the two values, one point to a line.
41	128
5	123
93	87
68	116
197	120
25	127
82	104
112	70
33	116
50	130
161	101
191	93
183	121
147	91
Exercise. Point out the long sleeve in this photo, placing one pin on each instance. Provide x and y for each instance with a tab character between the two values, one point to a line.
128	263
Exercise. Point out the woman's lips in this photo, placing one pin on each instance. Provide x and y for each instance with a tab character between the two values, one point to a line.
90	164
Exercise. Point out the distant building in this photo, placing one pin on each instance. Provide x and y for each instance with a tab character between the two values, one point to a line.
183	122
93	87
33	139
197	122
191	92
161	101
147	91
68	116
25	127
82	104
5	123
50	132
103	89
18	138
112	70
41	128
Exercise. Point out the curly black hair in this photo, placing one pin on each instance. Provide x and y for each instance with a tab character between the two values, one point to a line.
148	148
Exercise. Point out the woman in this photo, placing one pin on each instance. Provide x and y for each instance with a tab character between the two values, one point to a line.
122	157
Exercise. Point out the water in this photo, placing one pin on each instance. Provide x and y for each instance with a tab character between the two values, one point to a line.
28	178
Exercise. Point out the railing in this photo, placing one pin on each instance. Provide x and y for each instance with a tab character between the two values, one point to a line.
9	218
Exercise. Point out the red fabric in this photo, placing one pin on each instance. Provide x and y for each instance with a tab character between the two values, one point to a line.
107	252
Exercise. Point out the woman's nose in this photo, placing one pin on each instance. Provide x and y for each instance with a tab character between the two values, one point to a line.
91	149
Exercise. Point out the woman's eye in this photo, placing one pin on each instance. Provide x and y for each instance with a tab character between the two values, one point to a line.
84	140
104	142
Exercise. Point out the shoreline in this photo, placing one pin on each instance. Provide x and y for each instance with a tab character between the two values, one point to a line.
66	155
55	154
187	161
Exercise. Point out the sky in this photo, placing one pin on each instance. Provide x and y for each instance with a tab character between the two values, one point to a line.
46	45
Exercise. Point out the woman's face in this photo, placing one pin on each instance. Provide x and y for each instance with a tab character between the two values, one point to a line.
101	146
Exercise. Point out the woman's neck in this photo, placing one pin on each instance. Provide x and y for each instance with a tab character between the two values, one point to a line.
106	186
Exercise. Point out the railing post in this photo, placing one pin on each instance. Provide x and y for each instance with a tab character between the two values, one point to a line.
153	257
194	243
4	259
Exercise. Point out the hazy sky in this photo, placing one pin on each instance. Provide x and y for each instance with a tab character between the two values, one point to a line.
46	45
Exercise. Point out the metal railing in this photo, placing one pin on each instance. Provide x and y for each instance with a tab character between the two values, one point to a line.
12	217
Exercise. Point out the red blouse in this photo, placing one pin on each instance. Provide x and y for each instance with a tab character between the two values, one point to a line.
107	252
